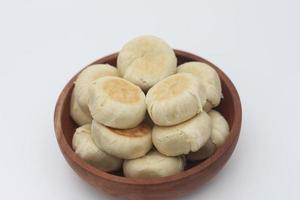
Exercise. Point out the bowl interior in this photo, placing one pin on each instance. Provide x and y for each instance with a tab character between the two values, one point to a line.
226	107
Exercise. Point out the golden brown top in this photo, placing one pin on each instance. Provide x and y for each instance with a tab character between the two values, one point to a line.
139	131
171	86
121	90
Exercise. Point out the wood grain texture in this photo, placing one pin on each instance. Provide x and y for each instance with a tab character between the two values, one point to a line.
170	187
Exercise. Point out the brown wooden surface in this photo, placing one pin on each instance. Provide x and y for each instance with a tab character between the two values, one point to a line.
154	188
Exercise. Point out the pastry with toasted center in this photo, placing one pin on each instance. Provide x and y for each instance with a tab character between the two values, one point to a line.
123	143
86	77
175	99
116	102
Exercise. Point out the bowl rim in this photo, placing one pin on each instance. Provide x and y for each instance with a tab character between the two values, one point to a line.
233	136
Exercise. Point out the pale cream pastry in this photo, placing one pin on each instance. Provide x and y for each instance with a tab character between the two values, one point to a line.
220	128
123	143
86	149
116	102
153	164
145	60
78	115
175	99
208	77
86	77
219	133
183	138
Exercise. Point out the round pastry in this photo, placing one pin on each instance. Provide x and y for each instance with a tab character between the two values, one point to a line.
146	60
220	128
209	78
154	164
86	149
123	143
219	133
86	77
175	99
116	102
78	115
183	138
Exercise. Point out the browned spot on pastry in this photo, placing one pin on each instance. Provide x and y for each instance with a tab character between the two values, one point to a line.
121	90
171	87
139	131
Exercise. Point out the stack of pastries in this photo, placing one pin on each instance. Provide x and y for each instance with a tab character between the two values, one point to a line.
147	115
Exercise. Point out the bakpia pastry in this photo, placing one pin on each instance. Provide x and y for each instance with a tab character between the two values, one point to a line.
147	112
116	102
175	99
123	143
219	133
78	115
154	164
183	138
86	149
220	128
146	60
86	77
209	78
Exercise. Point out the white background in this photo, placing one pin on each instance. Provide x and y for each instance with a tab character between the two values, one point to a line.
44	43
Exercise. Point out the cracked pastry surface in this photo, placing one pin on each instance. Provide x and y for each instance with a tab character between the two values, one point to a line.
183	138
123	143
86	77
209	78
145	60
175	99
86	149
219	133
116	102
153	164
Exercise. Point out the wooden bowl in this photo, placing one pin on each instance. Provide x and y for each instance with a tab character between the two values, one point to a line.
155	188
